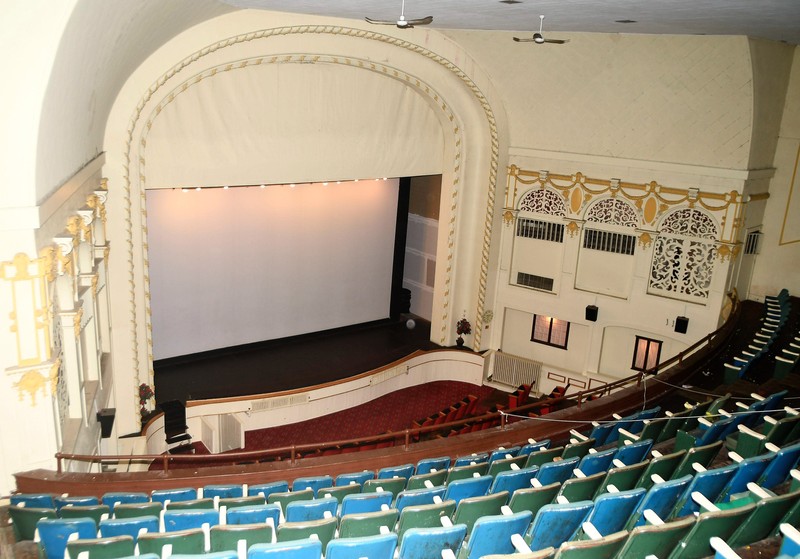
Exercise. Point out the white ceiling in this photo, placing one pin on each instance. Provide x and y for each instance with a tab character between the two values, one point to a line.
778	20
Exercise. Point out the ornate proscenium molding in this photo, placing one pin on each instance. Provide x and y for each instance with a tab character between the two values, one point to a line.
652	200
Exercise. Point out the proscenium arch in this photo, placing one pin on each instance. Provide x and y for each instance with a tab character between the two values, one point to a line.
162	91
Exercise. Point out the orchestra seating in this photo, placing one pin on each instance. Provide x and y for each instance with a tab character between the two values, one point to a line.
680	498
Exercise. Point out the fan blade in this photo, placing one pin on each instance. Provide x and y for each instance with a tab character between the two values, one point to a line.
421	21
380	21
557	41
517	39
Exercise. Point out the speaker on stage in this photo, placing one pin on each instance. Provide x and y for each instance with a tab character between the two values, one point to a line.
175	422
591	313
681	324
106	419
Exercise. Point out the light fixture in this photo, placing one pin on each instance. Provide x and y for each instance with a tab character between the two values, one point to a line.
537	38
184	190
291	185
325	183
197	188
263	186
226	187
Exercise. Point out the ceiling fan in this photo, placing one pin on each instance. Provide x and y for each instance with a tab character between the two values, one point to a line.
539	38
402	23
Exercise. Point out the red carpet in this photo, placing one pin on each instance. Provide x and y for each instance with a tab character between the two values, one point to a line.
393	412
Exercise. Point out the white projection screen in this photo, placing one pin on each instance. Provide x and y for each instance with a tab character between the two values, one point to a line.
240	265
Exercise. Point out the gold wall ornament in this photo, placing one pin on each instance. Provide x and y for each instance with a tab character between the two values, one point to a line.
650	210
573	228
727	251
76	322
645	240
32	382
508	218
576	201
29	305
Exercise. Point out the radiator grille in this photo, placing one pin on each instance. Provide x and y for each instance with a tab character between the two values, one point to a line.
512	370
282	402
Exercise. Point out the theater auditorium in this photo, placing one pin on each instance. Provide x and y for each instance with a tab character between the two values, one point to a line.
399	279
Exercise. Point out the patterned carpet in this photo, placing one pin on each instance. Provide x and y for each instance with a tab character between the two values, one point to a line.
392	412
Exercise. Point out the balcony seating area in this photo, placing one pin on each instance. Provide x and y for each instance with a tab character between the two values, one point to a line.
606	492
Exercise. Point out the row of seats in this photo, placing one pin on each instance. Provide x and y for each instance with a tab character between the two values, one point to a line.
512	471
776	312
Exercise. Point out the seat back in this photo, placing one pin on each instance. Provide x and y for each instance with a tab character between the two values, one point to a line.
492	534
95	512
35	500
582	488
469	510
748	470
102	548
534	446
623	477
132	510
533	498
367	523
503	453
424	543
357	477
228	537
323	530
223	491
543	456
381	546
779	467
190	518
703	455
404	471
664	465
236	502
661	499
254	514
600	433
390	485
558	471
466	472
339	492
578	449
424	516
418	481
293	549
128	526
655	540
181	494
315	509
267	489
612	510
427	465
115	497
182	541
597	462
513	480
710	483
476	458
365	502
672	424
506	464
418	497
314	483
764	520
192	504
634	452
723	523
284	498
556	523
76	501
24	519
55	532
603	548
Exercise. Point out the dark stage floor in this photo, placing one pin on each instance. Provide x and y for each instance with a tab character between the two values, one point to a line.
289	363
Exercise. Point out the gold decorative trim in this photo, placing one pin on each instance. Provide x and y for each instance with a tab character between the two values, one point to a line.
76	322
28	279
33	381
781	240
651	199
369	65
645	239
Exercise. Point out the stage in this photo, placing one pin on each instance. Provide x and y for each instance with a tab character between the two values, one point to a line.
289	363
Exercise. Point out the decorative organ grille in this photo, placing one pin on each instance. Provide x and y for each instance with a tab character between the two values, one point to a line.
537	282
542	230
608	241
